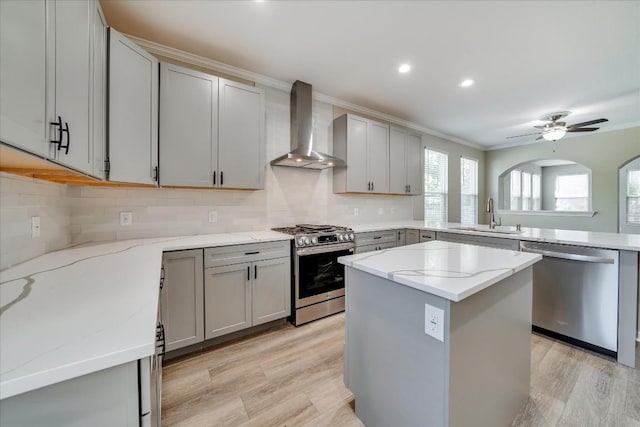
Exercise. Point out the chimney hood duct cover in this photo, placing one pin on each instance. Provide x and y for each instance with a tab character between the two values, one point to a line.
302	154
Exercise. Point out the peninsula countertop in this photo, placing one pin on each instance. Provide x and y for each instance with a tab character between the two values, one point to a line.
449	270
619	241
87	308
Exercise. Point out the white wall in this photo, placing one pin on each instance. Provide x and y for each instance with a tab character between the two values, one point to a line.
603	153
20	199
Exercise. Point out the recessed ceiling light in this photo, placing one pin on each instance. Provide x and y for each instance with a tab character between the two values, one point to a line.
466	83
404	68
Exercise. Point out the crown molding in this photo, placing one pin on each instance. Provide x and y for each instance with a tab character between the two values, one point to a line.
201	61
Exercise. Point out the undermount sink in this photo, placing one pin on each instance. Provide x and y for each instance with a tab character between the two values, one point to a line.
487	230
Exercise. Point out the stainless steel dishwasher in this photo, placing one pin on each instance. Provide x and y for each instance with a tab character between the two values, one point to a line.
575	294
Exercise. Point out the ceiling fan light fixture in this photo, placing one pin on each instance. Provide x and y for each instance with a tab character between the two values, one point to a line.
554	133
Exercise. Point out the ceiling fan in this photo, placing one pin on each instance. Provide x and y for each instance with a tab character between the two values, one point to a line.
556	129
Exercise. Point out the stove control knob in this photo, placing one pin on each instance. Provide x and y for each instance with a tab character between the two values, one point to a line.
306	240
341	237
314	240
351	236
301	241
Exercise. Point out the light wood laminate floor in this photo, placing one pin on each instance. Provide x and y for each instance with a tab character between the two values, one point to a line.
291	376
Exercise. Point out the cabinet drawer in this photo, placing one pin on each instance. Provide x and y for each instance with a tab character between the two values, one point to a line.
235	254
376	238
376	247
425	236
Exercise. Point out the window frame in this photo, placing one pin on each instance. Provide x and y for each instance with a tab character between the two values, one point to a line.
477	189
623	225
444	215
588	196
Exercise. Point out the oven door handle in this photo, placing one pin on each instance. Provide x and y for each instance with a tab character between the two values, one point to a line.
325	249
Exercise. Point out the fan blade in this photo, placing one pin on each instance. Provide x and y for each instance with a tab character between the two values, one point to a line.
540	127
591	122
526	134
582	129
538	138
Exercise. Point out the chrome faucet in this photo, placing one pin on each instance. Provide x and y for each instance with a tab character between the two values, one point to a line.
492	217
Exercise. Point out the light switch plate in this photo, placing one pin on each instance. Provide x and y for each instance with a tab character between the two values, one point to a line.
35	227
434	322
213	216
126	218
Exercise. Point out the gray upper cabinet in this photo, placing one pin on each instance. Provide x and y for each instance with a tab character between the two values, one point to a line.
215	126
99	101
188	126
182	298
133	112
23	75
241	135
364	145
405	154
73	83
46	79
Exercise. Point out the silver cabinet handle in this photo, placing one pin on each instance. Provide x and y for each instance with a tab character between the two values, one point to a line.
567	256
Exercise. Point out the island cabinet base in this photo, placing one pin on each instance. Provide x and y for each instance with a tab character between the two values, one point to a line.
400	376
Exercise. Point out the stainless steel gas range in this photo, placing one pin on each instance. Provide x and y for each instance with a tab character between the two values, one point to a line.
318	278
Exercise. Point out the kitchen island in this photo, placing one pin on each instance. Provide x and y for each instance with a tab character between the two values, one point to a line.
438	334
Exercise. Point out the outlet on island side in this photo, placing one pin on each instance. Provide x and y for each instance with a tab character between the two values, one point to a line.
126	218
213	216
35	227
434	322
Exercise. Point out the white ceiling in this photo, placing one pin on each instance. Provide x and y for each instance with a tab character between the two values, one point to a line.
528	58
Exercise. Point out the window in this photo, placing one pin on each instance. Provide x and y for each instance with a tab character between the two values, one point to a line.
469	191
435	186
572	192
633	196
629	221
524	191
516	192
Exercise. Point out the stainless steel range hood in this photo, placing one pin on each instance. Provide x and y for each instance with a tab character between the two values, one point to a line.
302	154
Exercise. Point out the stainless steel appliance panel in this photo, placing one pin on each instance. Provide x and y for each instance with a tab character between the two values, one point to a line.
575	292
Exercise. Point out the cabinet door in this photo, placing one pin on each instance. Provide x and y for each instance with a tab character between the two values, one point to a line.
415	174
133	112
357	175
241	136
188	126
378	155
73	21
401	238
398	161
23	75
412	236
183	298
99	90
227	299
271	293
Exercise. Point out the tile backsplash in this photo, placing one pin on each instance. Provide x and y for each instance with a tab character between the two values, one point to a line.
22	198
83	214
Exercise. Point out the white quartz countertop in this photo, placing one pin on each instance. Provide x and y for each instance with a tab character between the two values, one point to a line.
630	242
87	308
449	270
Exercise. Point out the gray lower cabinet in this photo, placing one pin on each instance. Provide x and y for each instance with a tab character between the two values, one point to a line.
401	237
227	304
412	236
491	242
183	298
426	236
375	240
105	398
246	285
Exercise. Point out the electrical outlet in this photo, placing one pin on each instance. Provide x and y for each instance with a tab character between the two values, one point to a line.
434	322
380	211
213	216
356	211
35	227
126	218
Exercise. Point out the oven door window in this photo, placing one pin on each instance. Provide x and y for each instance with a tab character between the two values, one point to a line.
320	273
